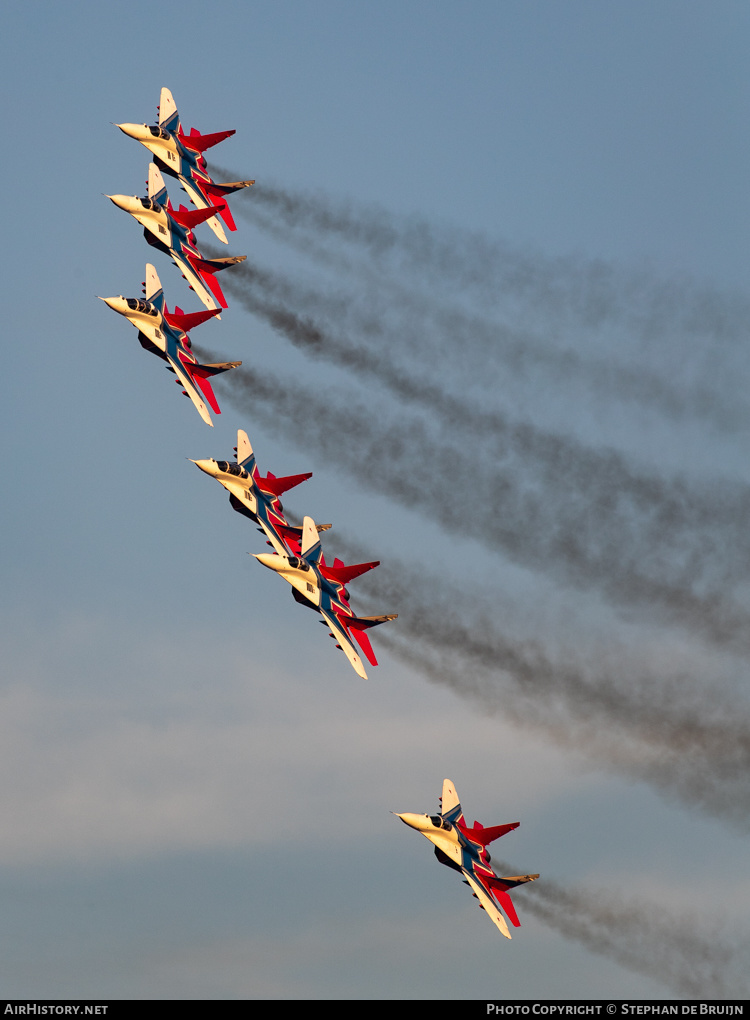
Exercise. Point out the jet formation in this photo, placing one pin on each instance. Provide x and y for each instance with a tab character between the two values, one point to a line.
181	156
297	554
465	850
171	231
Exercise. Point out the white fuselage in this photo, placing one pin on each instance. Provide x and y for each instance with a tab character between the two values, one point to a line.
159	141
150	215
142	314
445	839
149	321
301	577
237	481
165	147
155	219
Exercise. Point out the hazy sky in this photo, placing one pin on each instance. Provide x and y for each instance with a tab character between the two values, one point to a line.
496	301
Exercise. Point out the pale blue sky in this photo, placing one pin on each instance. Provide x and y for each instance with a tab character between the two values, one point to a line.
197	787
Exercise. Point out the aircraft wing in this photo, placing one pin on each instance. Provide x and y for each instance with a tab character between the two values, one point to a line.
168	116
292	536
344	574
200	203
490	907
153	288
345	642
245	455
197	282
284	537
274	535
450	805
190	388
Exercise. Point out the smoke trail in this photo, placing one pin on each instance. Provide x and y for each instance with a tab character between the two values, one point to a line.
560	460
584	292
692	755
488	349
663	730
658	546
694	748
651	941
288	307
659	729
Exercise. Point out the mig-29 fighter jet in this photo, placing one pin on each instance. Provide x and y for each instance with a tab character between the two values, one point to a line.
181	156
164	333
465	850
171	231
257	497
323	589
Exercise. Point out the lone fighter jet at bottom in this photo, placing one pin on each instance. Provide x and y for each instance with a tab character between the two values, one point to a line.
465	850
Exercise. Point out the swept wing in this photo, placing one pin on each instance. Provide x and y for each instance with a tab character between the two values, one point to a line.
490	907
344	642
181	156
189	387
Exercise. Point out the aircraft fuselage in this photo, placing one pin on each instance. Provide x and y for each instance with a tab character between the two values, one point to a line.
167	235
302	577
442	834
165	145
147	319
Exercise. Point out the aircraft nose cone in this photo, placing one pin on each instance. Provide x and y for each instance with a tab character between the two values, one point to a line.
209	466
412	820
117	304
131	130
128	203
270	560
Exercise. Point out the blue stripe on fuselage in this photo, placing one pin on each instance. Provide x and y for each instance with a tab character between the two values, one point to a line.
453	815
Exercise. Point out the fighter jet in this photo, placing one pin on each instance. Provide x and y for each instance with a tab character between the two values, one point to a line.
171	231
322	588
465	850
257	497
181	156
164	334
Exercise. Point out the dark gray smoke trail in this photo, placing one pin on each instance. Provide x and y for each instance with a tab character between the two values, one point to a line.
677	556
584	292
559	460
403	322
664	730
664	733
691	955
289	307
580	515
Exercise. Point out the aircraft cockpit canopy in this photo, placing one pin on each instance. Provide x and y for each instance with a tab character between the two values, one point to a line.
440	823
148	203
158	132
231	469
141	306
